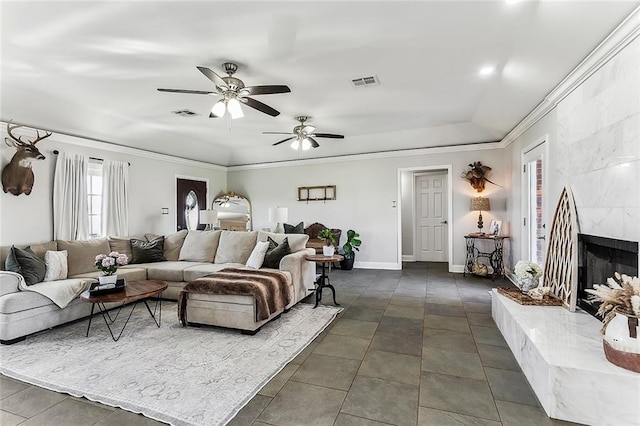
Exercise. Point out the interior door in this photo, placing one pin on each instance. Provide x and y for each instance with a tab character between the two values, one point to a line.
431	217
191	197
533	208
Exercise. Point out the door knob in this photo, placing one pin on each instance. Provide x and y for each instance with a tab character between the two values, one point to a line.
444	221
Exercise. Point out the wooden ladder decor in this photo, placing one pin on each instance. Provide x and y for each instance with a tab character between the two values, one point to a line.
561	266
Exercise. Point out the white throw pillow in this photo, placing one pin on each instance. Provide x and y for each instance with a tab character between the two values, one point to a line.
56	265
256	258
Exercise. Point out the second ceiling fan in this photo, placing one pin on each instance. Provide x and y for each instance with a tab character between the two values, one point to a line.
234	92
304	135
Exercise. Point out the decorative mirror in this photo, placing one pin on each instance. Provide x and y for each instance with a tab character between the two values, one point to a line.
191	211
234	212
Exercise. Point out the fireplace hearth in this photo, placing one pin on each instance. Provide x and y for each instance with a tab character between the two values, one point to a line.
598	259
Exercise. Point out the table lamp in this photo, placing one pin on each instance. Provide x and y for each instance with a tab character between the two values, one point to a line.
208	217
278	215
480	204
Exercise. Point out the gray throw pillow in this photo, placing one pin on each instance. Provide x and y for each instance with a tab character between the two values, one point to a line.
275	253
26	263
147	252
294	229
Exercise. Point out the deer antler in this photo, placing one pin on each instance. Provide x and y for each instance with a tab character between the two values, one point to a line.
19	138
10	128
39	138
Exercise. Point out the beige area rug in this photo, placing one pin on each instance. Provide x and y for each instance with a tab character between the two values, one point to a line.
182	376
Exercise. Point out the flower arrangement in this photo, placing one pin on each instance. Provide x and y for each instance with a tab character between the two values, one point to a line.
527	270
621	294
109	263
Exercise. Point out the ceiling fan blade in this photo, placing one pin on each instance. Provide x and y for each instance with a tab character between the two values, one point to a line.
193	92
308	129
267	90
277	133
314	143
217	80
260	106
328	135
283	140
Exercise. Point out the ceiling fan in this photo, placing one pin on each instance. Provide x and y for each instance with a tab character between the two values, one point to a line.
234	92
304	135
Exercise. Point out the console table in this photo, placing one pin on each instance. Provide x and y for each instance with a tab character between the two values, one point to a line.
495	257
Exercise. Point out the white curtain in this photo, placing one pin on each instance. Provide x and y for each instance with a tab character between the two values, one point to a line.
115	198
70	212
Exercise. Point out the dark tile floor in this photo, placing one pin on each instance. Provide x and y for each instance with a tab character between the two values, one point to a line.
412	347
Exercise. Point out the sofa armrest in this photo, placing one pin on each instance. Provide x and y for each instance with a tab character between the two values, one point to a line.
302	271
10	282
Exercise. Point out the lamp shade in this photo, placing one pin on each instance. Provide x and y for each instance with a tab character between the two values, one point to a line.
208	217
480	203
278	214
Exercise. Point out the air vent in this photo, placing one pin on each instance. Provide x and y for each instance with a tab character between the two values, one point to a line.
185	113
365	81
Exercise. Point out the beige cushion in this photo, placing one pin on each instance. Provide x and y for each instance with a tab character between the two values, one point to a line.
41	249
203	270
122	245
169	271
173	244
200	246
130	274
235	246
297	242
82	254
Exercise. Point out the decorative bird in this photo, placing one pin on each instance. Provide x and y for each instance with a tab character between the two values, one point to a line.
478	175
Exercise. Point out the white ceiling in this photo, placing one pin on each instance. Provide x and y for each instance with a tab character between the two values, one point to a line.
92	68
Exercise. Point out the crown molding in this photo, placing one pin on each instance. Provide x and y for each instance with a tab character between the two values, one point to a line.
621	37
369	156
121	149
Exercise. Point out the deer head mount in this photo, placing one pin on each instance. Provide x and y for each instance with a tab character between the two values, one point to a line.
478	175
17	176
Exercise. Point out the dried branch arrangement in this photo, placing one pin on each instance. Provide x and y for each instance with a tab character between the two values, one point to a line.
621	294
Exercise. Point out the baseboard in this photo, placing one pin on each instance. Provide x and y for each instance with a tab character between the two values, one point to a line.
378	265
456	269
408	258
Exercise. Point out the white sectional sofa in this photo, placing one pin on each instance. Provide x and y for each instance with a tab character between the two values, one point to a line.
189	256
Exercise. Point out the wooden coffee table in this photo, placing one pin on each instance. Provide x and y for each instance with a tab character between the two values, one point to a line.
323	280
134	291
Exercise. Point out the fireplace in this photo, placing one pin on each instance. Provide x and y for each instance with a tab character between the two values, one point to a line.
598	259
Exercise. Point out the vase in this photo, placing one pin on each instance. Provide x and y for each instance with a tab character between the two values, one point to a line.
621	342
328	250
108	279
527	284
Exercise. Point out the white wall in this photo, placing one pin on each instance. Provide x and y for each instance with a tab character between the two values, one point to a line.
366	189
594	147
28	219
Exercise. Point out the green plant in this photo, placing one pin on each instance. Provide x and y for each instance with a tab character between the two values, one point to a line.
327	236
353	243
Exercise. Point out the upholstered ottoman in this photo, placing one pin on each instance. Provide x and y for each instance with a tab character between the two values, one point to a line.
199	305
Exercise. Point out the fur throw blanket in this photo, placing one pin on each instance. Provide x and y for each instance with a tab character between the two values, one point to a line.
270	289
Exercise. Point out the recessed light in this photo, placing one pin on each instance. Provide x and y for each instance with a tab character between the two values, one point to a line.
487	70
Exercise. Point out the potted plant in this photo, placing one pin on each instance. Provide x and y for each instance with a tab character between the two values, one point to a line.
329	239
349	248
108	264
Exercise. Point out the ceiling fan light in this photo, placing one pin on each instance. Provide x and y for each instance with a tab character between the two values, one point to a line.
306	144
233	105
218	109
295	144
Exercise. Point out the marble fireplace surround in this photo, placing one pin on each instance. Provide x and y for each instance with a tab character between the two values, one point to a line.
561	356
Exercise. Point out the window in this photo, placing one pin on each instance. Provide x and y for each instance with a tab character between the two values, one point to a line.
94	195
